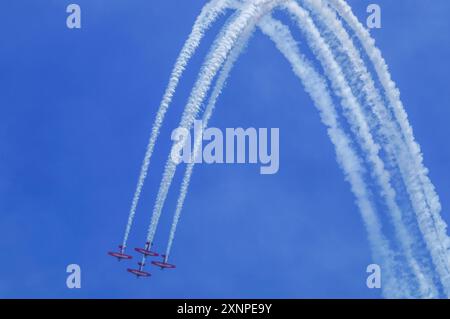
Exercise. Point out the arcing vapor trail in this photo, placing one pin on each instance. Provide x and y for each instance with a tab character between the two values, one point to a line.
355	117
388	131
422	193
209	14
363	107
217	91
315	85
247	17
347	157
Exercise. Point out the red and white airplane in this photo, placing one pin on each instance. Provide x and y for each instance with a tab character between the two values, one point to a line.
163	264
146	251
139	272
120	255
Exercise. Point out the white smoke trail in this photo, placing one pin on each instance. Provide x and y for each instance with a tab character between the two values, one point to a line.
430	220
422	193
210	12
352	110
217	91
316	87
247	18
347	157
389	134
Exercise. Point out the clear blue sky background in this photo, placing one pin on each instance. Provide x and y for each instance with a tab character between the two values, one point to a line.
76	108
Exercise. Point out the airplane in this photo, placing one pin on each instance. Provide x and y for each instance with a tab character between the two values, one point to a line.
120	255
139	272
163	264
146	251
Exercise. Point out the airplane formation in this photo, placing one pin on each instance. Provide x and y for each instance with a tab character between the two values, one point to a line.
146	252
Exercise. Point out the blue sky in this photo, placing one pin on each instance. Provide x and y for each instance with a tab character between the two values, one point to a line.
76	108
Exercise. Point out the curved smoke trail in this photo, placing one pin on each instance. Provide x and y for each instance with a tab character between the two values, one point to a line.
421	191
315	85
209	14
359	126
248	16
217	91
388	132
347	157
392	131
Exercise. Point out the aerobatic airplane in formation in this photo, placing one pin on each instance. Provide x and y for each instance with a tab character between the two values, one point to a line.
120	255
147	252
163	264
139	272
